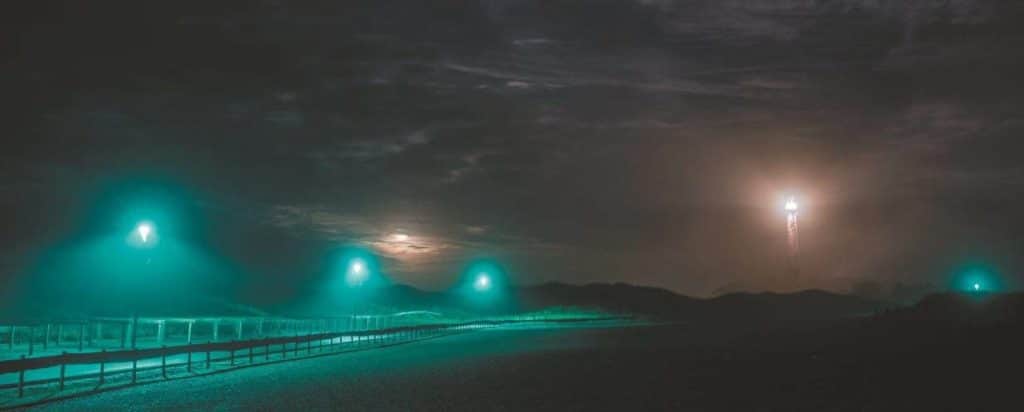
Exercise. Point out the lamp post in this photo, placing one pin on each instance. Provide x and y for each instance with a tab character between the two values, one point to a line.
357	273
143	236
483	287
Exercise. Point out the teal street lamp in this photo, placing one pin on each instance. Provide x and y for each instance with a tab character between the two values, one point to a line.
355	280
144	230
357	273
482	282
144	235
483	286
977	280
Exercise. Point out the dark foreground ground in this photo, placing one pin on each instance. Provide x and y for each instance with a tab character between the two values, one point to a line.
622	369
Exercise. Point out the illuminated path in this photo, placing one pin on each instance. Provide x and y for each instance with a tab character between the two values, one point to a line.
627	368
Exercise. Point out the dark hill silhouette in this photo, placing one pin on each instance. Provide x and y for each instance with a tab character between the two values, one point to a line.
618	298
641	301
807	305
407	297
954	308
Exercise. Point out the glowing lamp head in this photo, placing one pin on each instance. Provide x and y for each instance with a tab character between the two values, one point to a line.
482	282
358	266
400	237
144	230
357	273
977	280
791	205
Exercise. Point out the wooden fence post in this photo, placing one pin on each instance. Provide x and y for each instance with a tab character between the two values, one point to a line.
135	364
207	359
103	365
63	365
188	368
160	331
163	361
21	380
135	330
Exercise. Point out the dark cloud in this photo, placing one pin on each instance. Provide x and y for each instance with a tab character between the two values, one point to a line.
640	141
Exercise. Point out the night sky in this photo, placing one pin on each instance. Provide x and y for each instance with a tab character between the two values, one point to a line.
649	141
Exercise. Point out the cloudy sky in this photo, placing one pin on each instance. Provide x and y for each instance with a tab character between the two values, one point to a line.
645	141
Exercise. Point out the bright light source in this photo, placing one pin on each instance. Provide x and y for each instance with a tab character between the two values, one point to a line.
357	273
143	236
482	282
977	279
144	230
400	237
791	205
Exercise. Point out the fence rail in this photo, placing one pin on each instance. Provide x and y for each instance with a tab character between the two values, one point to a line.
280	345
92	332
104	357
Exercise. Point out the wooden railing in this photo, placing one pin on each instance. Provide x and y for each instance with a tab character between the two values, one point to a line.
280	345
